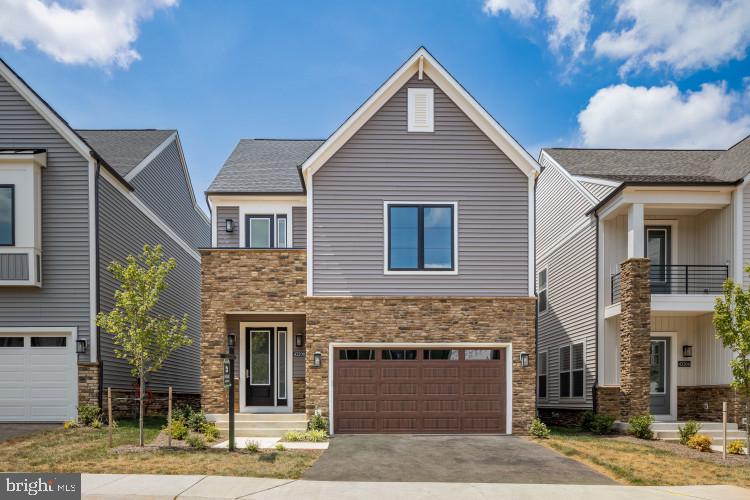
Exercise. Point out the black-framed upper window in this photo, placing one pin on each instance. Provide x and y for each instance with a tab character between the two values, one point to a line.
7	214
542	290
421	237
259	231
571	371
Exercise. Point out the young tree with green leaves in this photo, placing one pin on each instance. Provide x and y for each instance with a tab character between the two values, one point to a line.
143	337
732	324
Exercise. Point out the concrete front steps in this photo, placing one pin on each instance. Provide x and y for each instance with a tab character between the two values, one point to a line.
261	424
669	431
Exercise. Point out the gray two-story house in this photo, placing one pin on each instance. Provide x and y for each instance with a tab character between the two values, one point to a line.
383	276
633	247
71	202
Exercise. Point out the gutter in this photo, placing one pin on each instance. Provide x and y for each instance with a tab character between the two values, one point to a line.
97	331
594	399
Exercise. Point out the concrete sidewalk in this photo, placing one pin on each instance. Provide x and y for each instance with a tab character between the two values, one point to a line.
121	486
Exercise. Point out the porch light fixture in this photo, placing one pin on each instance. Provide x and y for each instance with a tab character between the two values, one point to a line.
299	340
81	346
229	225
230	340
317	359
524	357
687	351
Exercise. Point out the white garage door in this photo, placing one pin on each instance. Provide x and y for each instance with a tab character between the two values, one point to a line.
37	377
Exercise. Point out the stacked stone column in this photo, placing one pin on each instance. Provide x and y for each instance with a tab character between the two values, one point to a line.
635	337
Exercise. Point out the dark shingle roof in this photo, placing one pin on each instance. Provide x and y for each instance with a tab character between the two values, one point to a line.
264	166
640	165
124	149
734	163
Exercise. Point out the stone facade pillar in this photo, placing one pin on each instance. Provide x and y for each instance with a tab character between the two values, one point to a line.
635	337
88	383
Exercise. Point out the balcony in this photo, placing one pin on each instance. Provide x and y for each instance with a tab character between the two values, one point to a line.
679	279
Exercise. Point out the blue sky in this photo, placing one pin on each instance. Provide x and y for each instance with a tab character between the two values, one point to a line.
552	72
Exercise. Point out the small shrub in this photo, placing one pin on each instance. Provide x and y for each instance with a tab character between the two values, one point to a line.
280	447
88	413
210	431
196	441
96	424
689	430
71	424
736	447
700	442
252	446
640	426
318	422
178	429
586	420
293	436
181	413
196	420
316	435
539	429
601	424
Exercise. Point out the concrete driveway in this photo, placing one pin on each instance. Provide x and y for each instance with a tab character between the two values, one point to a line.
10	431
466	459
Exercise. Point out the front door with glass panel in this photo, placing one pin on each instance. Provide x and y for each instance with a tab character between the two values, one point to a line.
659	376
266	372
658	250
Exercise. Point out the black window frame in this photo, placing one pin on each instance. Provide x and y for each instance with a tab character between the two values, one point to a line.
542	375
542	290
420	236
272	228
572	374
12	215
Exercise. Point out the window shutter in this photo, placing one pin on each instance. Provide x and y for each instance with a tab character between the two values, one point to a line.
420	110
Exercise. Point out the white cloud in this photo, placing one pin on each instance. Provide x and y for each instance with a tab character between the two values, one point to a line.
99	32
518	9
680	34
572	21
664	117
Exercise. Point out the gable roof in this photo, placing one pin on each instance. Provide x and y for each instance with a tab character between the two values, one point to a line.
734	163
269	166
420	61
125	149
639	165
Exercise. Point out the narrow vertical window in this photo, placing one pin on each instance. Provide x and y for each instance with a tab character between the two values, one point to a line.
7	222
578	370
542	290
542	375
565	372
281	231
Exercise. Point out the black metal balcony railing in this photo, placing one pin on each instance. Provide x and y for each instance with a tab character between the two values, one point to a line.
679	278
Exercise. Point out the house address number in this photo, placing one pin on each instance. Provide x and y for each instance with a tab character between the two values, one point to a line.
299	354
683	364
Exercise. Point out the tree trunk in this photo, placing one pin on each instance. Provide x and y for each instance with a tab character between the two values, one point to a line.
140	410
747	427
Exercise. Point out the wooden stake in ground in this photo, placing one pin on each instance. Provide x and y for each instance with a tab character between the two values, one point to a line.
109	414
169	418
724	428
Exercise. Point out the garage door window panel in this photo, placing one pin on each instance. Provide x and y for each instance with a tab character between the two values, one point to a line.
399	354
482	354
11	342
441	354
357	355
48	341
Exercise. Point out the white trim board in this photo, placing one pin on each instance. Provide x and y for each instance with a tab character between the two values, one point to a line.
508	346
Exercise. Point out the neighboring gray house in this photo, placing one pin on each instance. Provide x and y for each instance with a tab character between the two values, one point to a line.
386	272
633	247
72	201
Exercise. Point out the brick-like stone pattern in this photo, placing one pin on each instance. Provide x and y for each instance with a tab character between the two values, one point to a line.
298	384
424	319
124	406
608	400
561	417
692	401
88	384
635	337
242	280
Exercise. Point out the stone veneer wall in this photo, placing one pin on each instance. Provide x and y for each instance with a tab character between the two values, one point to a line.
274	281
424	319
691	403
88	383
562	417
608	400
635	337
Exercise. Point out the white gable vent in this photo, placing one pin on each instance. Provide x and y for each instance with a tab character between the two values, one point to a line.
421	110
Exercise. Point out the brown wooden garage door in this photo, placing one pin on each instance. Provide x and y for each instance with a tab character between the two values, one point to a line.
419	390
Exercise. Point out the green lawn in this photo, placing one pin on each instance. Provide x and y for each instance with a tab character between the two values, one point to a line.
638	463
86	450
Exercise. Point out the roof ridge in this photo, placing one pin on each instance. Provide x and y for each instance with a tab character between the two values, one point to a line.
637	149
280	139
126	129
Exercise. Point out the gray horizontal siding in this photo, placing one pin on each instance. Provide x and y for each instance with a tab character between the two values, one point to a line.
63	300
162	186
223	238
456	163
299	227
14	266
600	191
123	230
560	207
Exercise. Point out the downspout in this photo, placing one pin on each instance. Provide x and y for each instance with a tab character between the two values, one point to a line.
98	281
594	400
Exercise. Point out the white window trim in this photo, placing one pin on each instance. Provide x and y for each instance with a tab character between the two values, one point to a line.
412	94
386	242
571	370
545	374
544	269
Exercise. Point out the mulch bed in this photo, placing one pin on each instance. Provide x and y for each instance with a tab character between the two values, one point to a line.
160	443
684	451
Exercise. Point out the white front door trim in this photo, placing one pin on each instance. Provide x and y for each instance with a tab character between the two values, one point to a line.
508	346
289	407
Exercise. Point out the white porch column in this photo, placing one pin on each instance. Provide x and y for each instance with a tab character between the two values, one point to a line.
635	231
